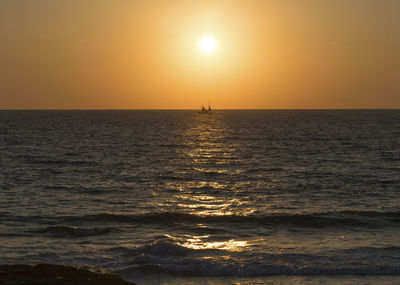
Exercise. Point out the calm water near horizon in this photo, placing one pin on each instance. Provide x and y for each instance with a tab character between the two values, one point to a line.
177	197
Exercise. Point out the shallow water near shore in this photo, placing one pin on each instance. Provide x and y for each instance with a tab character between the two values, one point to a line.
178	197
273	280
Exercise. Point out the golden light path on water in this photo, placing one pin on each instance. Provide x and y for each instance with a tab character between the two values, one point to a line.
198	242
210	156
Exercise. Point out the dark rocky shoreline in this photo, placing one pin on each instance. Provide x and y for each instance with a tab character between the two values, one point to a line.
50	274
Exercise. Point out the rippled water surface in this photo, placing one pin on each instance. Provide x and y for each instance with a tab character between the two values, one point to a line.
246	197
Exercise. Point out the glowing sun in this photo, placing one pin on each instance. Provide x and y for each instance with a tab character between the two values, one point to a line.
208	44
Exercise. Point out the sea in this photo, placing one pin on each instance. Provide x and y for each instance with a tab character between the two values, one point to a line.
180	197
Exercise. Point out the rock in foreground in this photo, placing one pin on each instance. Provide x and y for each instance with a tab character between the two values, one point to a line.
48	274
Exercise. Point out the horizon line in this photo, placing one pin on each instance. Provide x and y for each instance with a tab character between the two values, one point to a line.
190	109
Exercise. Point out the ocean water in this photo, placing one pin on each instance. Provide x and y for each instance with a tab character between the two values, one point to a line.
177	197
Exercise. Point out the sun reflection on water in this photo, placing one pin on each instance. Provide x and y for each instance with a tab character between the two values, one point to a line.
204	186
203	242
230	245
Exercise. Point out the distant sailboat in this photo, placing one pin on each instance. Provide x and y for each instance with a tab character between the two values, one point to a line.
205	111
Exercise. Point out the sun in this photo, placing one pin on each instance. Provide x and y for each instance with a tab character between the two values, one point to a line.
208	44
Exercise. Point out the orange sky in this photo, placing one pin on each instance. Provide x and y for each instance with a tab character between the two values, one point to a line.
125	54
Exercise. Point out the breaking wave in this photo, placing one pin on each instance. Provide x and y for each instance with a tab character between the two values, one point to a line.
329	219
171	258
64	231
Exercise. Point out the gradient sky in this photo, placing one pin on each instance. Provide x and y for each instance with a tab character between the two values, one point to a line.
127	54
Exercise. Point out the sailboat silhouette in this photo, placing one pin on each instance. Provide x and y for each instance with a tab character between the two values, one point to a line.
206	111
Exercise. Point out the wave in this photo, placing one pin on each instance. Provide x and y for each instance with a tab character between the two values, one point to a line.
329	219
210	268
46	160
65	231
165	248
79	189
168	257
263	169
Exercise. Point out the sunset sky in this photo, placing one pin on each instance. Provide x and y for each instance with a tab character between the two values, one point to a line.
127	54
